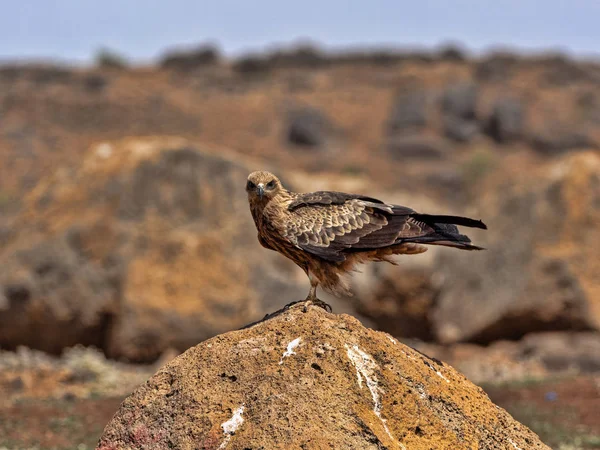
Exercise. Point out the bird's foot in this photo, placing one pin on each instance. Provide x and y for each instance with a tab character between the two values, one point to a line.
306	303
316	302
292	304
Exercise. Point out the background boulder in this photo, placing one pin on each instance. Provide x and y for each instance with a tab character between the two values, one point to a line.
138	251
507	120
308	127
539	272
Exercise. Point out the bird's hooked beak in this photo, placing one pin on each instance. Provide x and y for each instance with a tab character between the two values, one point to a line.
260	190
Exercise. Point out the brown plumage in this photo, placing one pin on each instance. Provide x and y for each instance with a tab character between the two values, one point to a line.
328	233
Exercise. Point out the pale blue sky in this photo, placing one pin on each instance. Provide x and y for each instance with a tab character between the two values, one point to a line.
72	30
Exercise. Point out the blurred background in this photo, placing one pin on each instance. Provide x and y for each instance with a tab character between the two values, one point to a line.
127	130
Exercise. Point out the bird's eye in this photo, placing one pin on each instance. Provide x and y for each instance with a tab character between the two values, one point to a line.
271	184
250	185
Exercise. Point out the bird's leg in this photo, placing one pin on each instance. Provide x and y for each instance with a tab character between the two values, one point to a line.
312	299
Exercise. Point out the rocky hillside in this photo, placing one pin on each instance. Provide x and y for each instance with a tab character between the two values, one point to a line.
124	225
311	380
352	113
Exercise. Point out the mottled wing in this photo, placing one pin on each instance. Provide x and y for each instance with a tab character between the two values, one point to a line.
324	198
329	224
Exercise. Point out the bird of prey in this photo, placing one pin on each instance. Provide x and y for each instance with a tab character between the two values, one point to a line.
328	233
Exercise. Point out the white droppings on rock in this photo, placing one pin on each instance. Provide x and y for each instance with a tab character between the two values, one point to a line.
408	355
442	376
231	426
365	368
514	444
438	373
391	339
290	349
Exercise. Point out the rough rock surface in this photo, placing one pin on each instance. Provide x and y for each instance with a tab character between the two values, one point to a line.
459	107
409	113
460	100
540	271
51	297
311	380
507	120
147	246
307	127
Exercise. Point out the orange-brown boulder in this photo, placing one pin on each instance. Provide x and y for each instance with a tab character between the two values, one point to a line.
148	245
311	380
540	272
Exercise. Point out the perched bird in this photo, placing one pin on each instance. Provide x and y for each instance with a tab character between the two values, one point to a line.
328	233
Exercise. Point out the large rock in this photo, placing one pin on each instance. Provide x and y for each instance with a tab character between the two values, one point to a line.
540	270
311	380
459	108
399	299
308	127
148	245
460	100
554	140
506	122
409	113
459	129
52	296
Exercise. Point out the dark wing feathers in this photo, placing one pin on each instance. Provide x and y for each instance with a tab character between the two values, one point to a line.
329	224
324	198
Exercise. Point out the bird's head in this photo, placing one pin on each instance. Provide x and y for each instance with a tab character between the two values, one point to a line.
262	186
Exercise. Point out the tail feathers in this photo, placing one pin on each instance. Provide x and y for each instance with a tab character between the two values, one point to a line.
447	240
460	245
455	220
446	233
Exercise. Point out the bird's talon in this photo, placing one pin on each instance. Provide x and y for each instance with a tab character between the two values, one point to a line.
319	303
291	304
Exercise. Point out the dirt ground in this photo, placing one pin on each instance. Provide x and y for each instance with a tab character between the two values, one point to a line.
47	402
55	424
64	403
564	412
